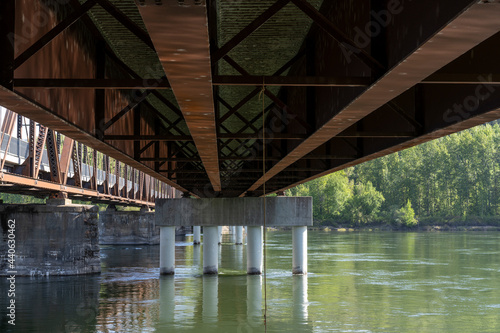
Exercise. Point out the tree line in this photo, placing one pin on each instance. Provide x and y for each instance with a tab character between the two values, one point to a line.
454	179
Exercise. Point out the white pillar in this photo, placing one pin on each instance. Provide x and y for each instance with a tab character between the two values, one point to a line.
254	250
210	250
299	250
196	256
196	234
238	240
167	250
219	230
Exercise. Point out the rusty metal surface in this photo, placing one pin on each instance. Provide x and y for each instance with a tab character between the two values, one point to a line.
320	115
469	29
39	185
21	105
180	36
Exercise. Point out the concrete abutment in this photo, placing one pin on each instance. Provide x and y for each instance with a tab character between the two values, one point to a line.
49	239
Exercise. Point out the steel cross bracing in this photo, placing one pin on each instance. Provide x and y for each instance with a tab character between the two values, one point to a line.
173	89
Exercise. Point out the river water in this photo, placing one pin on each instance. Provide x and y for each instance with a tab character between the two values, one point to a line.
357	282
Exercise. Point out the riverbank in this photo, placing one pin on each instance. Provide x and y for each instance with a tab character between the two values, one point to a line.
427	228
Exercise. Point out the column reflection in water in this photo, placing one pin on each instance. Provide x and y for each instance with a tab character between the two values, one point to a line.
167	300
254	299
210	298
300	299
239	264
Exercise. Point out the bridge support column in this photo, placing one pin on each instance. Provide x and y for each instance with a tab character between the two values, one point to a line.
238	237
196	235
254	250
299	250
219	237
210	250
167	250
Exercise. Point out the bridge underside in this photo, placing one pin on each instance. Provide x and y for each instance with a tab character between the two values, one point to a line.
221	97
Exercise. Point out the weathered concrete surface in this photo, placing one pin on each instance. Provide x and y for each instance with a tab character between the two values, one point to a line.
50	239
128	227
280	211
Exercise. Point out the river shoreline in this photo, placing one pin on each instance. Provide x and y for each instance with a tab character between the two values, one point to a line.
386	228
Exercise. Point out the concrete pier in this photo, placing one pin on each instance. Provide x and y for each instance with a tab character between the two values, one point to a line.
219	230
210	250
212	213
167	250
128	227
299	250
196	235
254	250
238	237
50	239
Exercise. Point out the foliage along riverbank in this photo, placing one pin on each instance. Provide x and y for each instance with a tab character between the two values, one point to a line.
450	182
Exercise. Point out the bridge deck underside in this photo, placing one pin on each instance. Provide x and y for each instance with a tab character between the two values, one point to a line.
252	92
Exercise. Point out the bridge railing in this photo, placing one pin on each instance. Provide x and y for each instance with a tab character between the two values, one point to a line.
31	152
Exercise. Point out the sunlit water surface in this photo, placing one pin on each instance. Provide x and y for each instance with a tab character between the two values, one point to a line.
357	282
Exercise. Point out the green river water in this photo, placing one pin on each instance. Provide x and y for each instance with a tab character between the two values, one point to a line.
357	282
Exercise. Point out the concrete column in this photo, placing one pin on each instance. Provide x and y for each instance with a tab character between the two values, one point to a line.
210	250
196	256
254	250
167	250
196	235
299	250
219	230
238	237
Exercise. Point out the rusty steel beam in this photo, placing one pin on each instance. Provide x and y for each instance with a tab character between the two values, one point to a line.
7	41
9	127
54	32
66	154
73	190
40	143
77	166
471	27
136	101
127	22
92	83
55	168
180	36
338	35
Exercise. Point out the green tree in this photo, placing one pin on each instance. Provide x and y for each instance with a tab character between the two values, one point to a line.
363	205
405	216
